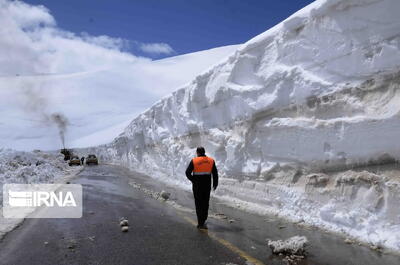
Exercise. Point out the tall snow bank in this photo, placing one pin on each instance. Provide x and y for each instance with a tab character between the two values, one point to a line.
318	92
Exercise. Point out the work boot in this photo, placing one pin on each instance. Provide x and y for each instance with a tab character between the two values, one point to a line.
202	226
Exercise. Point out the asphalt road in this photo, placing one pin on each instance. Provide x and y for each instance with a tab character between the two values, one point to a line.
162	234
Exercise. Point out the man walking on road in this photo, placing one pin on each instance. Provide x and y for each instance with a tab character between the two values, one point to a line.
202	167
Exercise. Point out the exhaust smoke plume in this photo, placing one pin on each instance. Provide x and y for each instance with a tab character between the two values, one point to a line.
36	102
62	122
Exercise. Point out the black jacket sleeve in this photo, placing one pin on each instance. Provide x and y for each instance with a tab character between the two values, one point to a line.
189	171
215	176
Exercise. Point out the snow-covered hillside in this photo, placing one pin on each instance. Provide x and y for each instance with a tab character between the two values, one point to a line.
287	116
94	102
92	81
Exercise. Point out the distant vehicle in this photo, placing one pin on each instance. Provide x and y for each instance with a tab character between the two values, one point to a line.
67	153
75	161
92	160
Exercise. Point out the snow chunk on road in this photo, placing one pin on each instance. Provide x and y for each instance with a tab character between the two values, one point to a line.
291	246
165	195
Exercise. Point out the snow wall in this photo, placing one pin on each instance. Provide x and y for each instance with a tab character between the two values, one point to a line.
291	118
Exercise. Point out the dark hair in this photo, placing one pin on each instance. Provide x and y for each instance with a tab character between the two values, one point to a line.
200	150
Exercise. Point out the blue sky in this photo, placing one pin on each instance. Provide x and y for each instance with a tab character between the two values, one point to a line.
187	26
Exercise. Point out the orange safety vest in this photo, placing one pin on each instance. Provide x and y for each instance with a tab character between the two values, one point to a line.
202	165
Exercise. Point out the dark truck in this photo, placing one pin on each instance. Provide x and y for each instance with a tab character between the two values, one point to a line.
92	160
67	153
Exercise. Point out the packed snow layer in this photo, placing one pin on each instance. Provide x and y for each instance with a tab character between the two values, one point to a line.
319	92
27	168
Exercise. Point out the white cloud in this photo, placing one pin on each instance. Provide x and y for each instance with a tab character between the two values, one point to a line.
156	48
30	43
106	41
25	15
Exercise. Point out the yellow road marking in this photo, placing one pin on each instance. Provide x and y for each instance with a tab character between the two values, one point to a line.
227	244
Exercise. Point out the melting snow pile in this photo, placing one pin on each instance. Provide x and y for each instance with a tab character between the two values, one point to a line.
30	167
288	116
294	245
294	248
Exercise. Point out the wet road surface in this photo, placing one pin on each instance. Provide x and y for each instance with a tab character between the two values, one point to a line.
162	234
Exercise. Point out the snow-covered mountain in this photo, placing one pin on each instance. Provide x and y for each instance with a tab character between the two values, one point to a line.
288	116
98	104
154	78
91	82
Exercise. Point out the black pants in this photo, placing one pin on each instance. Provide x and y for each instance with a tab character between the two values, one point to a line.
201	192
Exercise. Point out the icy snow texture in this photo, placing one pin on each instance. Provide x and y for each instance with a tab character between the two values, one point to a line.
26	168
294	245
318	92
31	167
